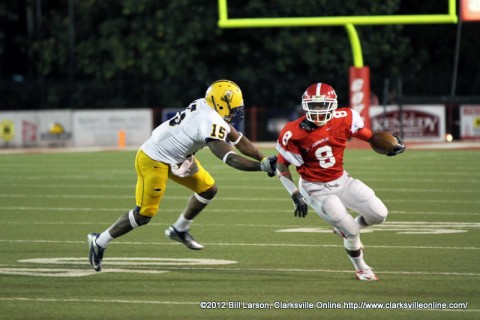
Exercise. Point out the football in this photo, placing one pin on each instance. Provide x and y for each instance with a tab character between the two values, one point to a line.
383	142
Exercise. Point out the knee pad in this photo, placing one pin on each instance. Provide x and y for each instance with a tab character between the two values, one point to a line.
363	200
378	212
147	210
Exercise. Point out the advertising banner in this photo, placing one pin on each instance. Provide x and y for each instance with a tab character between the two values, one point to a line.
67	128
107	128
470	122
19	129
420	123
54	128
8	130
359	79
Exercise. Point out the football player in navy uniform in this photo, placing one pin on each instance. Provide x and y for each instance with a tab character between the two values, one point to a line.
315	145
169	155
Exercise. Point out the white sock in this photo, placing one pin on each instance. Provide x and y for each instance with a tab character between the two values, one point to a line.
359	263
104	239
182	224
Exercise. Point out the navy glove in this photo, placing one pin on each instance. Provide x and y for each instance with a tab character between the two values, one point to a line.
301	208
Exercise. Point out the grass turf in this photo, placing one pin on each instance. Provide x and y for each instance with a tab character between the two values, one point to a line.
426	252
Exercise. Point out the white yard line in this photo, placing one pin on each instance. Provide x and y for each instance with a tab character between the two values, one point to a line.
169	243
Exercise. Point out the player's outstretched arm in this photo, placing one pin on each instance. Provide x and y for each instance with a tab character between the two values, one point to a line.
225	152
244	145
299	204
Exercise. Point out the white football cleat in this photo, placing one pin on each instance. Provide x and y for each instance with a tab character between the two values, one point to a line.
366	275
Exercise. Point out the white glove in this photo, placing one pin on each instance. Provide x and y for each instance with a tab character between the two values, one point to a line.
269	165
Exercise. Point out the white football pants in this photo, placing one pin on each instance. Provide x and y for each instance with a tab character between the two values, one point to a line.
331	200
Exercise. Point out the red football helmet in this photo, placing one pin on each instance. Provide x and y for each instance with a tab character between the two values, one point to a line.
319	101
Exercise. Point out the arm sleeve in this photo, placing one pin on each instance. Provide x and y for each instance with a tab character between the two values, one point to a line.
363	134
358	128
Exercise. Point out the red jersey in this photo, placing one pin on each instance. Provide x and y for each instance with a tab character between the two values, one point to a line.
317	152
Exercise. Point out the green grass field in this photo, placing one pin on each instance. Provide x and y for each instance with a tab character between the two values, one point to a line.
426	253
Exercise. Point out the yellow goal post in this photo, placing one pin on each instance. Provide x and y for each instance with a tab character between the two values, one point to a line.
349	22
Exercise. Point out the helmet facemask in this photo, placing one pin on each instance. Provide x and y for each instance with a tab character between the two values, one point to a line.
236	116
319	111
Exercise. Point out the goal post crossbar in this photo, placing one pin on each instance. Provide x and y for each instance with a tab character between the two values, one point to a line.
225	22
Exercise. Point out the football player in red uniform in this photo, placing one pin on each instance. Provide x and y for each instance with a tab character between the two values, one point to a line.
315	145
